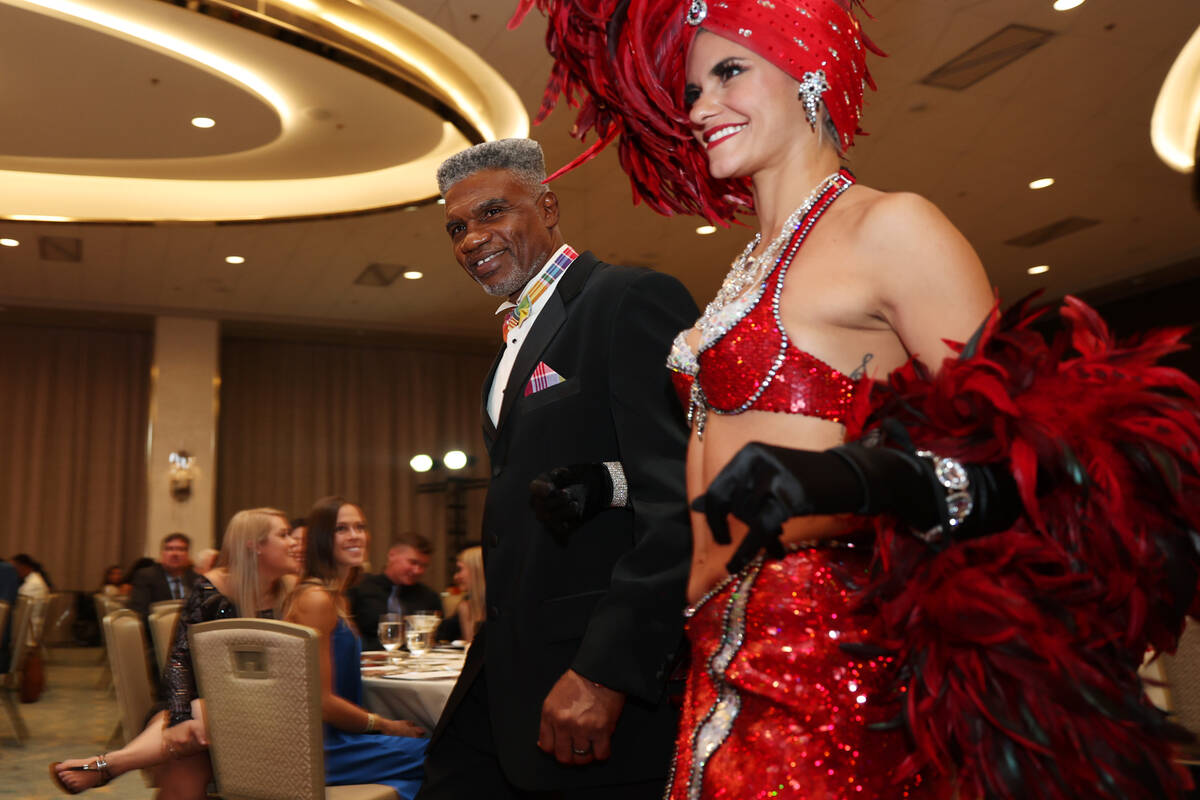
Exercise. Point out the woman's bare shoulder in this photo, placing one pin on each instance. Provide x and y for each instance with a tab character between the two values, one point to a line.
312	604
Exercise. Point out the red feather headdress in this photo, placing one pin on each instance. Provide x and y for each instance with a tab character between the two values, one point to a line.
622	64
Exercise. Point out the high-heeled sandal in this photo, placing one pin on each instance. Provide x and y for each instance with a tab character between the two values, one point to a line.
98	764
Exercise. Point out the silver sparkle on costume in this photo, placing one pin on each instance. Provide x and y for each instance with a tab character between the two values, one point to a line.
954	480
746	32
813	85
718	722
800	42
767	4
697	13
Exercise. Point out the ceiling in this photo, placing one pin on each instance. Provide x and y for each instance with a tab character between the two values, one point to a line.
1076	109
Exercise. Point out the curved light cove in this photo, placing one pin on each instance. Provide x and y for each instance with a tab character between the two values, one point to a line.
405	45
133	30
1175	123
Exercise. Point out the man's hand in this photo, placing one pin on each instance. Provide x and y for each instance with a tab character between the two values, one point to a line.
185	739
578	718
566	497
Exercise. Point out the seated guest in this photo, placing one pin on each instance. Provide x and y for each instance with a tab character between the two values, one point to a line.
396	590
299	533
171	579
336	543
10	582
468	576
36	586
254	572
114	581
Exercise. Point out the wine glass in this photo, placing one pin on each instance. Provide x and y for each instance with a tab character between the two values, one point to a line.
391	634
418	632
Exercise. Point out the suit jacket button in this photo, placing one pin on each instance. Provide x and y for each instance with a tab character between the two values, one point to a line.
493	612
496	470
493	540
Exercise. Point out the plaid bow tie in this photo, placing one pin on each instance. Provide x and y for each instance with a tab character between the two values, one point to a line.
535	289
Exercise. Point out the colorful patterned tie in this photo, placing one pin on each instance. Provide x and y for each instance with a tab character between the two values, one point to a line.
535	289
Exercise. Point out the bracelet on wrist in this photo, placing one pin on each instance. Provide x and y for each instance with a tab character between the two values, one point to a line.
372	723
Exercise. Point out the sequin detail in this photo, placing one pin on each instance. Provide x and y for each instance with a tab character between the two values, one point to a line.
806	721
747	362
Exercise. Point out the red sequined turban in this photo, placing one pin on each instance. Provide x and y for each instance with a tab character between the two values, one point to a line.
622	64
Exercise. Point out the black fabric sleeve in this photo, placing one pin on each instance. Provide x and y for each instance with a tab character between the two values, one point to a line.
634	631
204	604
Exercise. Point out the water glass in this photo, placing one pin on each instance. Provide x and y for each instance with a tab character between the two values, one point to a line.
419	631
391	633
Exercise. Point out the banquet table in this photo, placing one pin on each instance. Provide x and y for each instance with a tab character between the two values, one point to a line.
418	697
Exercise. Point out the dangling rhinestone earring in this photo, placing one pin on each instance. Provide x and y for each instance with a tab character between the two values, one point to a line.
811	88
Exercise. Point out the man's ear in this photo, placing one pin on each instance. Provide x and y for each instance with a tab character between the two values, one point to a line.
549	207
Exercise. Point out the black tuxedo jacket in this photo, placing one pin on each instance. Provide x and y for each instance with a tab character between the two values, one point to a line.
150	586
369	598
607	600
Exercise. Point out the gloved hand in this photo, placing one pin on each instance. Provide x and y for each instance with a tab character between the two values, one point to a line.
764	486
565	497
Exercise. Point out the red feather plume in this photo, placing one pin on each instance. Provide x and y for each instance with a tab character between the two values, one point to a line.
1019	651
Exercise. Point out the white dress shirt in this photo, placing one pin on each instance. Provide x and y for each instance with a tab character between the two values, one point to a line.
516	337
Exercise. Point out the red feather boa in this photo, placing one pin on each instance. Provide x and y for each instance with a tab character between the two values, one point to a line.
1018	652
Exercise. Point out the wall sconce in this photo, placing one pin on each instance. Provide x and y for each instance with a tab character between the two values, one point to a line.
180	475
452	460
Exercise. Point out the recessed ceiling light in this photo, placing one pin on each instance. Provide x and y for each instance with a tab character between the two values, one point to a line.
1067	5
203	122
413	275
9	243
441	201
1038	270
235	259
1041	183
705	230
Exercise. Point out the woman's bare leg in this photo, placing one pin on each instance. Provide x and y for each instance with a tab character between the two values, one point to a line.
185	778
144	751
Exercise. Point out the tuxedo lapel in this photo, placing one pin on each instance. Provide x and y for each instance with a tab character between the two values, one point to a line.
548	321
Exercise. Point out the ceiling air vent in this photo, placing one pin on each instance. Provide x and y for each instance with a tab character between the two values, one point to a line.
379	275
991	55
1055	230
60	248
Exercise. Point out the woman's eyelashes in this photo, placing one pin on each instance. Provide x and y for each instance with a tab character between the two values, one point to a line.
723	72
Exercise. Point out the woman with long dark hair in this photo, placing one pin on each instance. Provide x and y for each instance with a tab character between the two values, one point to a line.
336	545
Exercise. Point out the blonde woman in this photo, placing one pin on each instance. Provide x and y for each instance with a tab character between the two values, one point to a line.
253	575
469	577
335	547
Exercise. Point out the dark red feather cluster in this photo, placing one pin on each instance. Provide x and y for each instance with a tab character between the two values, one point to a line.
1019	651
621	63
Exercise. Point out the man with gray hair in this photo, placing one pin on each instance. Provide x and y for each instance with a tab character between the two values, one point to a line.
586	537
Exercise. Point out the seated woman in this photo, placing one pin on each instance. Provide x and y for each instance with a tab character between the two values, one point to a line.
468	574
114	582
255	570
335	547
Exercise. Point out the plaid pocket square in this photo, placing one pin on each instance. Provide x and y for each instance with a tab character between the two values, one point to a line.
543	378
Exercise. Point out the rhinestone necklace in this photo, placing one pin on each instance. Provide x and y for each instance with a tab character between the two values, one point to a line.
747	270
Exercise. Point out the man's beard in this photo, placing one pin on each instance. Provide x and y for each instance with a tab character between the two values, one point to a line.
516	280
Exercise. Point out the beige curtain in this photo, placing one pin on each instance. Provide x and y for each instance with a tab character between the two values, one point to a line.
302	420
73	411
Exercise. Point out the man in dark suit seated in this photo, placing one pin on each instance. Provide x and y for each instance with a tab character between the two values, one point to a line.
170	579
396	590
586	540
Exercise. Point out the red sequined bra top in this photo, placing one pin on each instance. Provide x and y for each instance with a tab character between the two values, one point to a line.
746	361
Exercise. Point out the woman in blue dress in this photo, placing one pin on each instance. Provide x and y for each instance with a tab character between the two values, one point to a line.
360	746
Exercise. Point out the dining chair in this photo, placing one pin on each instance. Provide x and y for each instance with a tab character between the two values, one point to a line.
126	640
10	682
162	622
165	605
261	686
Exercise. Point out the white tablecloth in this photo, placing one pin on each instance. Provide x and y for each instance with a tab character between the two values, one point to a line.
418	701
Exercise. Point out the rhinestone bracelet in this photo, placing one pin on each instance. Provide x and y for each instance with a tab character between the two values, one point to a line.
953	478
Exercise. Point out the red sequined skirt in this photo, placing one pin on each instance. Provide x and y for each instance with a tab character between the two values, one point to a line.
776	706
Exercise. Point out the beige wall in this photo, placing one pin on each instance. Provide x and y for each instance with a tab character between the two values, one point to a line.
183	416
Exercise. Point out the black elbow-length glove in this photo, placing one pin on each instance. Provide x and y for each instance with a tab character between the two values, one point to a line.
764	486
